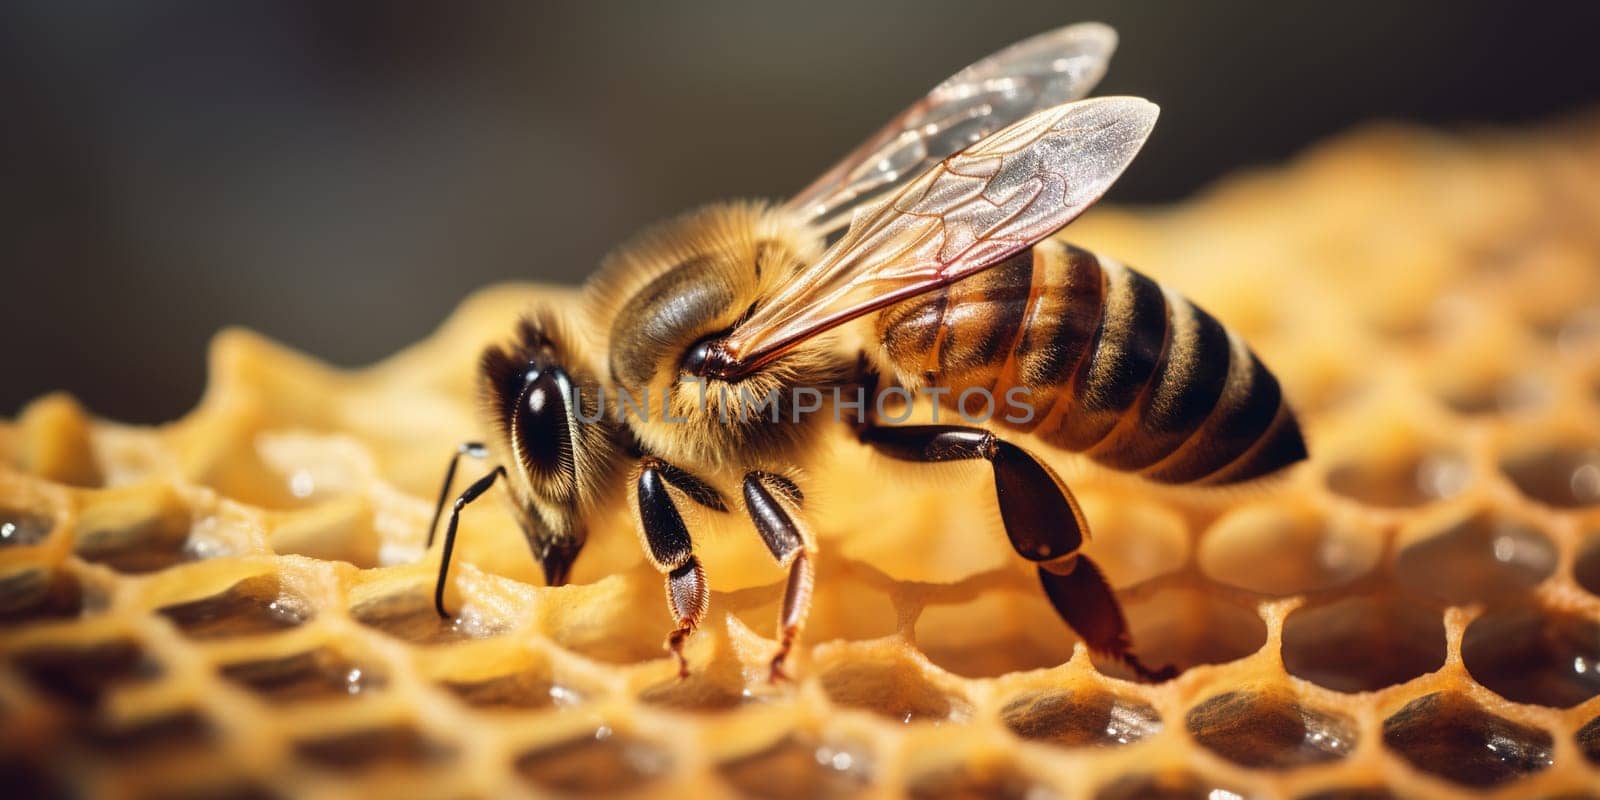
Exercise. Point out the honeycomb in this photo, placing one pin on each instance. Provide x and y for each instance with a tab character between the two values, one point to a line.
237	603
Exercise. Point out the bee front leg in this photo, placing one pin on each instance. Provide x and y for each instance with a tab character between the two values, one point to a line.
773	503
667	543
1042	520
472	493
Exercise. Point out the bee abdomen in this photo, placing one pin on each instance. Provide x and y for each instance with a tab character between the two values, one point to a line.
1112	364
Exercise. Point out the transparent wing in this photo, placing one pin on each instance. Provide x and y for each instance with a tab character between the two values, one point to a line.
1047	70
967	213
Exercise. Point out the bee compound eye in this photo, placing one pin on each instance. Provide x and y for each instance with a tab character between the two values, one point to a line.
540	424
698	356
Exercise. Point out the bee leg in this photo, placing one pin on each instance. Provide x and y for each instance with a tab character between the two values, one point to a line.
472	493
669	547
1041	519
474	449
773	503
1079	592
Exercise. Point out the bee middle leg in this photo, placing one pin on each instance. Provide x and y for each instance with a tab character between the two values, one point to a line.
773	503
669	547
1042	520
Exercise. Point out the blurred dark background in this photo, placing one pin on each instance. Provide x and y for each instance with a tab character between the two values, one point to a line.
339	176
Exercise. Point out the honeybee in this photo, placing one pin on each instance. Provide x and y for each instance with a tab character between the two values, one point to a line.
920	262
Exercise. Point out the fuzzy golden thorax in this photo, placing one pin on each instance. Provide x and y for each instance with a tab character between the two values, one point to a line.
679	283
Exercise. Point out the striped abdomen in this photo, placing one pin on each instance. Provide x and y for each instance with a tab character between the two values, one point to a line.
1114	366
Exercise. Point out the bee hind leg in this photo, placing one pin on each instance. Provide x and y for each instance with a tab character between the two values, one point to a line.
667	543
1079	592
1042	520
773	503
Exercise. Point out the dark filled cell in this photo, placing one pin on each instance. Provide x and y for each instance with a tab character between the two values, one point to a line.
1566	477
39	594
893	690
1363	643
606	762
371	747
1165	785
251	606
1448	735
1270	730
1529	655
798	766
22	528
80	675
134	538
1407	482
525	690
1080	718
320	674
412	617
979	781
1485	557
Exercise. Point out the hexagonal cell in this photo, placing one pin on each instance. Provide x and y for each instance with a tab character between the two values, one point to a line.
1186	628
319	674
1402	480
606	762
411	616
799	766
257	604
1587	568
1172	784
134	533
1528	655
525	690
81	674
1448	735
1337	645
700	691
893	689
1563	476
1589	740
1496	393
1485	557
218	788
1080	718
985	779
993	634
1283	551
39	594
180	731
1350	793
371	747
1270	730
19	528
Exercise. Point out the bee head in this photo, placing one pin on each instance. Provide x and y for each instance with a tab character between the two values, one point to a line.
543	406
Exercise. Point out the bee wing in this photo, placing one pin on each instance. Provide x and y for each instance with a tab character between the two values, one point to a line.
1047	70
967	213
